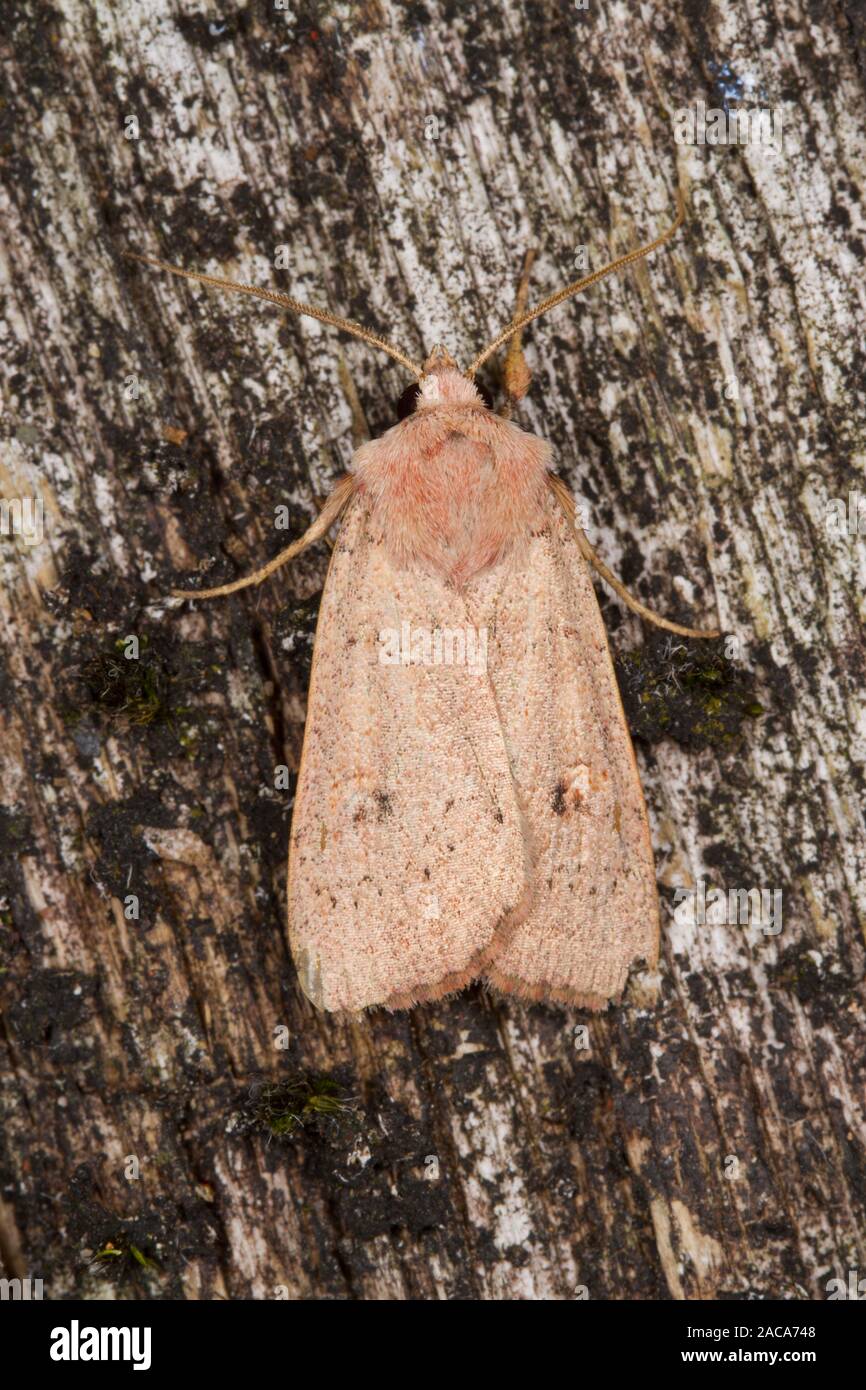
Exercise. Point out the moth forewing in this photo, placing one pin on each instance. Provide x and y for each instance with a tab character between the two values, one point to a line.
407	861
594	899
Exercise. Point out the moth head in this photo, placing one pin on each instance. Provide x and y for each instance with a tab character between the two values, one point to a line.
439	360
441	383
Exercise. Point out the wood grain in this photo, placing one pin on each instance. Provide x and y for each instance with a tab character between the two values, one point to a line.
395	162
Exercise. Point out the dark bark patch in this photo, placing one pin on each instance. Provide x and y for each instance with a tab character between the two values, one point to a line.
685	689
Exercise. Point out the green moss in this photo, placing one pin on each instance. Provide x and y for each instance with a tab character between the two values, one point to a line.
141	1258
131	691
137	691
117	1260
686	689
283	1108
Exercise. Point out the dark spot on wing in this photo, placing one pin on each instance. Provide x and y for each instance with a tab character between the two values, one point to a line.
384	809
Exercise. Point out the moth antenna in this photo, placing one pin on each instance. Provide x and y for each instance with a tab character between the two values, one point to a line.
320	527
553	300
285	301
516	376
566	501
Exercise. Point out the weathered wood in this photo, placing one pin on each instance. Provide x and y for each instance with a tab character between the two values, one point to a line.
706	407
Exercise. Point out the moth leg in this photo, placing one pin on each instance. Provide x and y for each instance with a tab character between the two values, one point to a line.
516	376
320	527
634	604
566	501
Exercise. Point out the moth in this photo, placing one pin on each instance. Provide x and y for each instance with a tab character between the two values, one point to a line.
462	820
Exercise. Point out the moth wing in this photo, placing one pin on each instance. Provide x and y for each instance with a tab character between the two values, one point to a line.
407	862
594	898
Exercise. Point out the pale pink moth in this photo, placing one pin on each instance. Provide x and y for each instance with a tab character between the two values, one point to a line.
458	819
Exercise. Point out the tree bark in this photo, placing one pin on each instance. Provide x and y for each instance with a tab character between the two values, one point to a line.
177	1120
